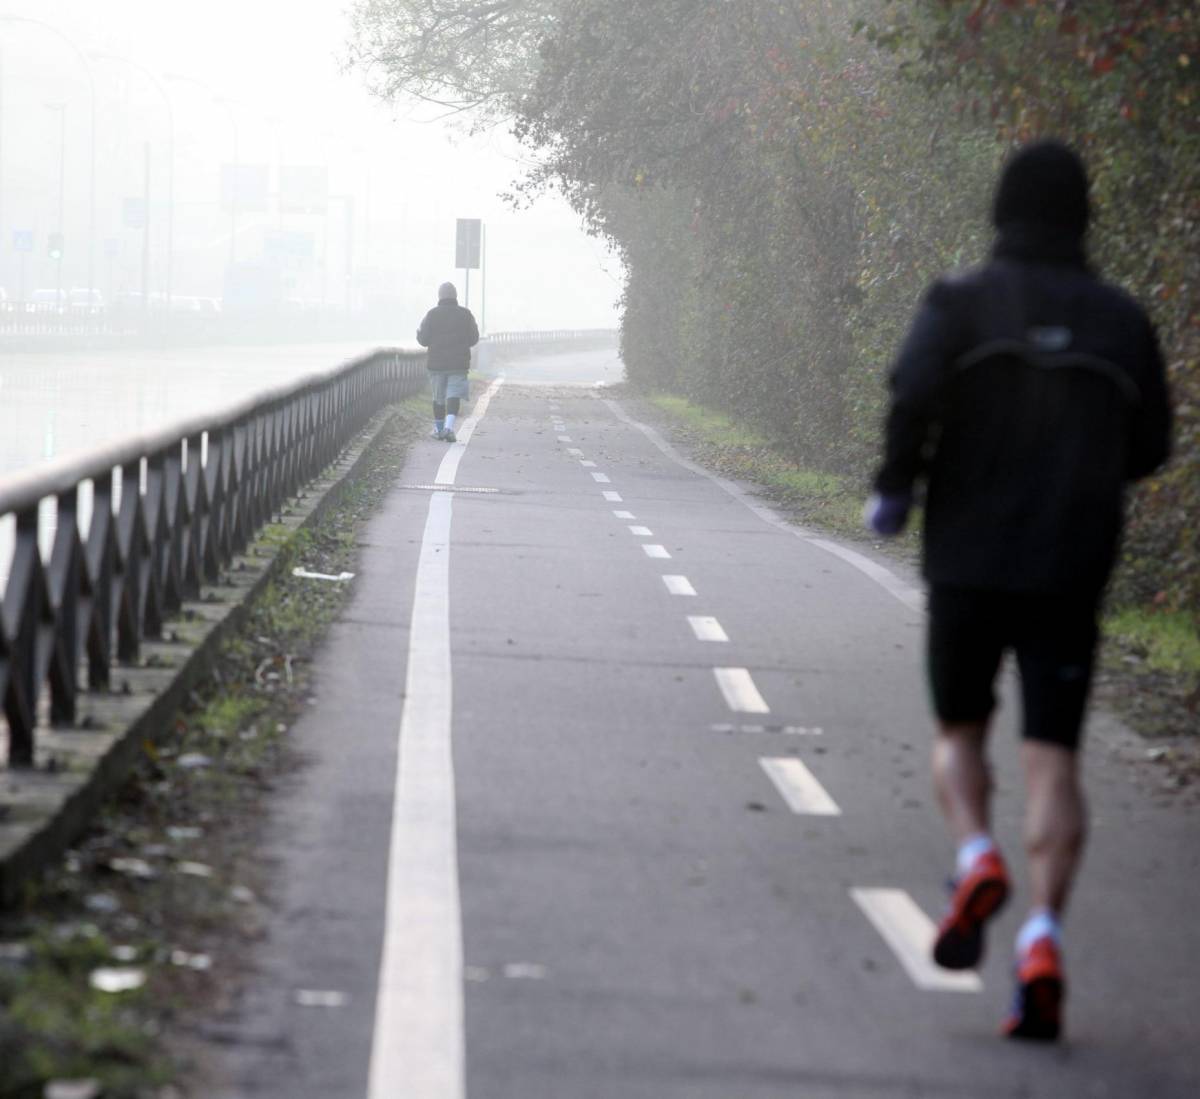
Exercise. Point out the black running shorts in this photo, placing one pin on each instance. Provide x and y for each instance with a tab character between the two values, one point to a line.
1053	638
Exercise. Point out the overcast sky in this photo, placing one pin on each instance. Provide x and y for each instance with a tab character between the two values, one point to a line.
279	63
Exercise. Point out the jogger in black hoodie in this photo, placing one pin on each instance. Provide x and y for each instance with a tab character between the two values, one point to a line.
1027	395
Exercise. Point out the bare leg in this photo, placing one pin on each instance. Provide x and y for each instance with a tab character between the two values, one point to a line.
1055	822
961	778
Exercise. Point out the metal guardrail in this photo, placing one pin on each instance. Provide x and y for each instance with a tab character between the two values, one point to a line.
553	336
168	511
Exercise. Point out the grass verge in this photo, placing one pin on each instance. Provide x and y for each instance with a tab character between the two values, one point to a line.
808	496
143	923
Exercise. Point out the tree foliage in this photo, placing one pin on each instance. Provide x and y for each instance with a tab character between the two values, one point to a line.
783	177
463	55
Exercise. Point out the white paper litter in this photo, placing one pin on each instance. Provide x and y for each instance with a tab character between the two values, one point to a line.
304	574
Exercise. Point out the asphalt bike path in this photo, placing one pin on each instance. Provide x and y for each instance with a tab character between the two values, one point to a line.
677	838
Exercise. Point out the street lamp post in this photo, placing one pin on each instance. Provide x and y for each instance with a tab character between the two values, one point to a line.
87	68
100	55
235	182
61	108
221	101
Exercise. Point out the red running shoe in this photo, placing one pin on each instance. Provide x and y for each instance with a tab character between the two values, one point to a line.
977	897
1041	988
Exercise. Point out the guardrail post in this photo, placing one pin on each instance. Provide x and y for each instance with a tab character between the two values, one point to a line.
63	582
190	489
155	548
24	609
127	575
100	578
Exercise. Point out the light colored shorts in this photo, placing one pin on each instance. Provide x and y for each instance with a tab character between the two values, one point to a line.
449	385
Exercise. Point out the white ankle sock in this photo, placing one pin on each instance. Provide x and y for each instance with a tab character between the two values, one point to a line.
450	417
971	848
1041	923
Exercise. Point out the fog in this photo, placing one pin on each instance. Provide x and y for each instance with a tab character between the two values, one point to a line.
363	223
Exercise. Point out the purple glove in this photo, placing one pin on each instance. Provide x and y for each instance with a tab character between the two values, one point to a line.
886	514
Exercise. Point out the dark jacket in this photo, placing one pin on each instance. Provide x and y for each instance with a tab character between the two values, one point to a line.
1027	393
449	331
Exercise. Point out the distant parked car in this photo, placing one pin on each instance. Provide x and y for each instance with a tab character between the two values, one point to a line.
83	300
185	304
47	301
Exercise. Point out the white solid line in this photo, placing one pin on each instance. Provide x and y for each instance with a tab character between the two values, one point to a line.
575	452
624	515
655	551
448	470
909	932
613	497
706	628
797	786
586	464
417	1043
911	597
740	692
417	1047
601	478
679	585
641	532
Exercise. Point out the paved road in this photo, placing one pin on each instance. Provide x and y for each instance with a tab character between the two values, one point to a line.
616	787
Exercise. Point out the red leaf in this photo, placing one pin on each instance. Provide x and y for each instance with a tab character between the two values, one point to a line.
1104	64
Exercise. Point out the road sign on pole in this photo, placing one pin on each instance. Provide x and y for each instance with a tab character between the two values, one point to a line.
22	240
466	243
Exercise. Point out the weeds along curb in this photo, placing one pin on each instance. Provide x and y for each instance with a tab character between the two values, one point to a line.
43	809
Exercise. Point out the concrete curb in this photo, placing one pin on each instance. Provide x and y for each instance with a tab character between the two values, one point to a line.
44	809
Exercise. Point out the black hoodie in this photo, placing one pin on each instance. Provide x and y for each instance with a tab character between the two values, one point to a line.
1027	394
449	331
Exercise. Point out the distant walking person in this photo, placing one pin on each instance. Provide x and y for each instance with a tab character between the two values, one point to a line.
1025	396
449	331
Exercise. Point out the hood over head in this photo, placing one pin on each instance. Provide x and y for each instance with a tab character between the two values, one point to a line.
1043	184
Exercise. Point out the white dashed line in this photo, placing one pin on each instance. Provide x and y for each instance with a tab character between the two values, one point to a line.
756	729
679	585
910	933
624	515
741	695
601	478
613	497
706	628
575	452
564	438
586	464
912	597
641	532
797	786
656	551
